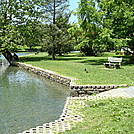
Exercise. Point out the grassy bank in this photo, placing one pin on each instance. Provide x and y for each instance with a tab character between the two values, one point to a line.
111	116
73	66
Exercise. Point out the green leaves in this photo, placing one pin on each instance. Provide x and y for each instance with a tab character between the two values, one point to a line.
16	16
112	21
10	38
56	36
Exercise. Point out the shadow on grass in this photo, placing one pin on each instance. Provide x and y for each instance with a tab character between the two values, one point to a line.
26	59
126	59
128	63
46	58
95	62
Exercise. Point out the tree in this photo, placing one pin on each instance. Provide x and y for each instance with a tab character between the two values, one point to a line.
32	35
89	23
75	33
111	20
60	33
52	10
14	14
62	22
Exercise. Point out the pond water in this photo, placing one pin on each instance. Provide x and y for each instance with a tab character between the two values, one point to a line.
28	100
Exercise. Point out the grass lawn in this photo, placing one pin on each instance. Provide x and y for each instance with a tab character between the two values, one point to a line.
73	66
111	116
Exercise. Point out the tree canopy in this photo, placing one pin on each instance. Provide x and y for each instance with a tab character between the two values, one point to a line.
109	22
20	22
52	11
15	16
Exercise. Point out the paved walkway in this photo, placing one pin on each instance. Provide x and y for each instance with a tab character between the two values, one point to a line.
120	92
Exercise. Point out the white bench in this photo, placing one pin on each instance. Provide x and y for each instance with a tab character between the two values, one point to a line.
113	62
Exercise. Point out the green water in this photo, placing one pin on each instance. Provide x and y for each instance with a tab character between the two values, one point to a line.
28	100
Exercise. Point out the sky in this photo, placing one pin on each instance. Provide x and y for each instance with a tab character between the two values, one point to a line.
73	6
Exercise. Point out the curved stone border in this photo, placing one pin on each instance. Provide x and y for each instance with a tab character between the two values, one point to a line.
69	118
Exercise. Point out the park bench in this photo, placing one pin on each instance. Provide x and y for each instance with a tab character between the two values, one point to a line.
113	62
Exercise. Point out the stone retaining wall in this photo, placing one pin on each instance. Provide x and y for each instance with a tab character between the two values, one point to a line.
76	89
91	89
46	73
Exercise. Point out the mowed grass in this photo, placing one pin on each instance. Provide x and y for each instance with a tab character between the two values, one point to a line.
73	66
111	116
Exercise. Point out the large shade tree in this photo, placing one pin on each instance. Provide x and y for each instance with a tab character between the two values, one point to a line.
111	21
14	16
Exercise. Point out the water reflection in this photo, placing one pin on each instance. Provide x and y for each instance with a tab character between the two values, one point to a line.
3	65
28	100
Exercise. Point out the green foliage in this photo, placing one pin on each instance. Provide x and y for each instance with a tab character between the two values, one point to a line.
85	47
52	9
53	12
14	16
81	40
10	38
20	24
75	33
56	36
119	17
111	21
32	34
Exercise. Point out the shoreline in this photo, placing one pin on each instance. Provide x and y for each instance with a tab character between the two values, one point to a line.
71	114
76	89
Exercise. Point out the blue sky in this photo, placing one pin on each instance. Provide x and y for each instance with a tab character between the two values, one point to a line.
73	6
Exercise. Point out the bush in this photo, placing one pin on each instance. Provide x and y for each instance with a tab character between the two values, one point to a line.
81	54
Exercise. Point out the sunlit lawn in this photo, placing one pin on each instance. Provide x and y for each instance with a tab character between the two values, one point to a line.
73	66
111	116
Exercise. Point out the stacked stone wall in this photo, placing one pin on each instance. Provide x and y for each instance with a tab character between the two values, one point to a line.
46	73
76	89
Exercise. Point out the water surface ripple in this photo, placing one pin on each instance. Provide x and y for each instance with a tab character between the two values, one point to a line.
28	100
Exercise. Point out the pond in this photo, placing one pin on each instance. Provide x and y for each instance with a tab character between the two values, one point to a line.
28	100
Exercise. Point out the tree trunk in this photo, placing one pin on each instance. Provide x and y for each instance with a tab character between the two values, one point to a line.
53	48
53	53
132	59
9	57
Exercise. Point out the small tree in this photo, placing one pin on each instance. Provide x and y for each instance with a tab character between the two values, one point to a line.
52	9
60	33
